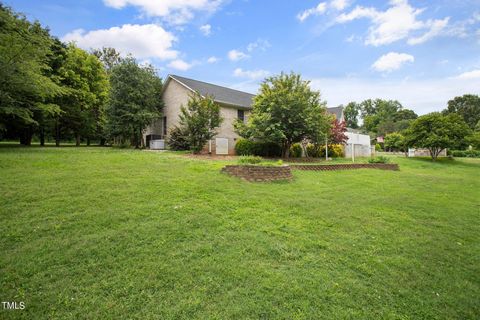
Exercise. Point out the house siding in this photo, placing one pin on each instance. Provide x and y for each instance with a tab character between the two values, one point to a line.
227	130
174	96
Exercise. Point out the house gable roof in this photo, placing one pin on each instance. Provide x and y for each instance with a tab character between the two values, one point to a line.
220	94
337	111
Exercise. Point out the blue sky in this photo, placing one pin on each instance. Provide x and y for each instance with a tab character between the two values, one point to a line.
421	53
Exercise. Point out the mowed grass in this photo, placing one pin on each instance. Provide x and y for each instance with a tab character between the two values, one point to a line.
98	233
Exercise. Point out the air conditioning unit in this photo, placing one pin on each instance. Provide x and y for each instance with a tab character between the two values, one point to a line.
157	144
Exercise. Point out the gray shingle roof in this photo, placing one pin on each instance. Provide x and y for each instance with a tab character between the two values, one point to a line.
220	94
337	111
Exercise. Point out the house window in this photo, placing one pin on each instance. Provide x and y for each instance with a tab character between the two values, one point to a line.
241	115
164	125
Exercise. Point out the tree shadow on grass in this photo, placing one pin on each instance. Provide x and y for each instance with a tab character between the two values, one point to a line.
446	161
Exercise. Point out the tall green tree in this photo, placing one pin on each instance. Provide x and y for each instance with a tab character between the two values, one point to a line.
286	111
381	117
200	120
135	100
351	113
436	132
394	142
108	56
84	103
474	140
467	106
25	87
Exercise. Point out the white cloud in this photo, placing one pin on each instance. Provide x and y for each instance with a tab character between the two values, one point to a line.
143	41
179	65
251	74
436	28
398	22
206	29
339	4
212	59
392	61
260	44
475	74
173	11
236	55
322	8
318	10
423	96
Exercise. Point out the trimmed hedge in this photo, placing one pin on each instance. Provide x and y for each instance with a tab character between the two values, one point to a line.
245	147
465	153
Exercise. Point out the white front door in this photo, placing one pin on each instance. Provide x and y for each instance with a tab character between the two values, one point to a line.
221	146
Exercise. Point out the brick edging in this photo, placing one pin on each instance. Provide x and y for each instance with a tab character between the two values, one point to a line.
259	173
347	166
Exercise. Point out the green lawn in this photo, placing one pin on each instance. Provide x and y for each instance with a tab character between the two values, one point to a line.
98	233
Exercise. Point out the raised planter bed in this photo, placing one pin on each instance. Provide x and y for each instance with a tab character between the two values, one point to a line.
259	173
347	166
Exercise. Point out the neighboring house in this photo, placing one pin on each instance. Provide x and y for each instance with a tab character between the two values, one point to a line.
357	144
177	91
337	112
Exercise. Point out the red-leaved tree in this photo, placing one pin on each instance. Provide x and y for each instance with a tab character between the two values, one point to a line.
337	132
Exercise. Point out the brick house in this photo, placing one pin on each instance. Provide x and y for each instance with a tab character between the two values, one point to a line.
177	91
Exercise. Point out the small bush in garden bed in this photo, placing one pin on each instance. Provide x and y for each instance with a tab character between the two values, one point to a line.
380	159
465	153
249	160
296	150
318	151
271	163
258	161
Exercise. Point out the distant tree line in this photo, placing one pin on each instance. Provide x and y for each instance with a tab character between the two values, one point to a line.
57	91
457	126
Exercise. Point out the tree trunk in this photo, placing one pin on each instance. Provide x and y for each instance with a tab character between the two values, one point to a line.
286	150
42	136
77	140
140	138
102	142
26	137
57	133
88	141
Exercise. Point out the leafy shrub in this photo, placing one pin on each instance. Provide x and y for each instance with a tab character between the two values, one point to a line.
378	147
249	160
465	153
177	139
314	150
296	150
318	151
245	147
380	159
335	150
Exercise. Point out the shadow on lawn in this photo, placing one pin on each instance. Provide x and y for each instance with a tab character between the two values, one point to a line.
446	161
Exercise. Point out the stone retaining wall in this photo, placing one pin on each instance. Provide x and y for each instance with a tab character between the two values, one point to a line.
347	166
259	173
